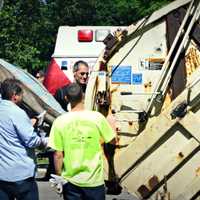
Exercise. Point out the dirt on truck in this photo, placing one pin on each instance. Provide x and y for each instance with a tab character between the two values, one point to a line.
148	77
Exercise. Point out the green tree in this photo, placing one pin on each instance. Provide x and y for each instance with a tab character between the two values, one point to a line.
23	35
28	28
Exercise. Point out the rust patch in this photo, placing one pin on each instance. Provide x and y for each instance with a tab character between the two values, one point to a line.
117	129
130	123
147	86
181	155
144	191
192	60
197	171
153	182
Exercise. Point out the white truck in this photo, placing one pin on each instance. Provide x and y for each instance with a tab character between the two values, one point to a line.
75	43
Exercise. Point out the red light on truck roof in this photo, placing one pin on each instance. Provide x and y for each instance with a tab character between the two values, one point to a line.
85	35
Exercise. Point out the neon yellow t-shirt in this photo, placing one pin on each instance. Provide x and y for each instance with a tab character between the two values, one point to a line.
78	134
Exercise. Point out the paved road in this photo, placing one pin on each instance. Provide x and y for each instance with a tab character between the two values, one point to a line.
47	193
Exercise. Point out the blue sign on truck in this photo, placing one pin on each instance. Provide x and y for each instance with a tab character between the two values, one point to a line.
121	74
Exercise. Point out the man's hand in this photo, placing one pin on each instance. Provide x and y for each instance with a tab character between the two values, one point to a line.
57	183
44	142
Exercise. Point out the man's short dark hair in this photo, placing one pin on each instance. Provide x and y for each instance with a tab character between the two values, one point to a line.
10	87
77	65
74	94
39	74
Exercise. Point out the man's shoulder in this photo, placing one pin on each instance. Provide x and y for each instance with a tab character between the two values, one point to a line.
63	116
96	113
92	115
10	105
84	113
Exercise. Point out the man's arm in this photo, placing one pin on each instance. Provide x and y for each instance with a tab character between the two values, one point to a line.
58	162
25	130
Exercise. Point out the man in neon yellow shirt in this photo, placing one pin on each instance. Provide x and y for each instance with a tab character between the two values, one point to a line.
77	136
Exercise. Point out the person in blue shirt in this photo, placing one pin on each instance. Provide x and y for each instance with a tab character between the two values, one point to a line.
17	143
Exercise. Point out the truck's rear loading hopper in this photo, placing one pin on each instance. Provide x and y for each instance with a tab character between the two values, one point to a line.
149	78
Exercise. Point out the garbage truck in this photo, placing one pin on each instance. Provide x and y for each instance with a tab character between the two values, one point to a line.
148	78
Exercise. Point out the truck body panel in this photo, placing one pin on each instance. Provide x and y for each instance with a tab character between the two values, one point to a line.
148	77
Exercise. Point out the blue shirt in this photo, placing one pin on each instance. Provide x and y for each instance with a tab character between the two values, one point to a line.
17	138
